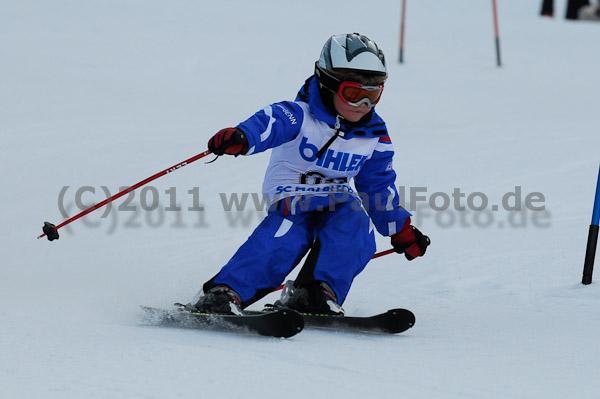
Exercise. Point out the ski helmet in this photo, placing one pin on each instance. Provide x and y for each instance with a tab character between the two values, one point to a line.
349	54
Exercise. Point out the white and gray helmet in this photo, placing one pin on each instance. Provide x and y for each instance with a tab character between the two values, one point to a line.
345	53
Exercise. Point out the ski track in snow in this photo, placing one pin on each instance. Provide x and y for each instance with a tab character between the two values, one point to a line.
106	93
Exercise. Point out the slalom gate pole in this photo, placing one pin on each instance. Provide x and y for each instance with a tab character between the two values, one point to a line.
377	255
496	32
402	24
50	230
590	252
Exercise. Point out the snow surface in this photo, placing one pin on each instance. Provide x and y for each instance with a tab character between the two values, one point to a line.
106	93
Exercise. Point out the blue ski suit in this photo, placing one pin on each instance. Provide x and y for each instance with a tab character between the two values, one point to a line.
313	199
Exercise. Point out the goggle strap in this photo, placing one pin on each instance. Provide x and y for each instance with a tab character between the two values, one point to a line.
326	79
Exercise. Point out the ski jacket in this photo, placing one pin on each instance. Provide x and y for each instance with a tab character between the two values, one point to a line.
297	130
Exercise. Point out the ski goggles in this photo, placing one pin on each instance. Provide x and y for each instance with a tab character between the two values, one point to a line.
355	94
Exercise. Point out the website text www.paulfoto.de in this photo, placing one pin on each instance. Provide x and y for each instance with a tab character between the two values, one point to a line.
516	209
152	209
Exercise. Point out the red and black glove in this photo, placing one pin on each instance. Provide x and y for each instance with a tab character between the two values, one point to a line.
410	241
230	141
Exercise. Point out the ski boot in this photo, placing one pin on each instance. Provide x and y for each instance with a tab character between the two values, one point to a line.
219	300
315	298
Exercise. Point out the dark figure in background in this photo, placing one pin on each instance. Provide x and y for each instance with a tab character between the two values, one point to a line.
547	8
590	13
573	7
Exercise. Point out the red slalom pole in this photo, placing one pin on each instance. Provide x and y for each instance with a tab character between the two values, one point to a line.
402	24
377	255
496	32
50	230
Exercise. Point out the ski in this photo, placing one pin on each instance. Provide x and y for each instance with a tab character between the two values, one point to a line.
394	321
279	323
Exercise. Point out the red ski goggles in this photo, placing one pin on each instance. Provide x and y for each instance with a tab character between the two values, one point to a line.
355	94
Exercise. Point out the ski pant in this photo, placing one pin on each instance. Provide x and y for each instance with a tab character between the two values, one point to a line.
343	242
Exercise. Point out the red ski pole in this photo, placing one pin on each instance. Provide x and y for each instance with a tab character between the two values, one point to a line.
377	255
382	253
50	230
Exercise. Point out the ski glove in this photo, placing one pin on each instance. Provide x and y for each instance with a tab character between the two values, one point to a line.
410	241
230	141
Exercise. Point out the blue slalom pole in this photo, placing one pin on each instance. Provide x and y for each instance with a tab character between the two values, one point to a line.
590	253
596	213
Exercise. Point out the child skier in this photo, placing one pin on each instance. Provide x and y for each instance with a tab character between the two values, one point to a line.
328	136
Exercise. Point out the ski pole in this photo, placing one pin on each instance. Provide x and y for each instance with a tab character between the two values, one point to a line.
382	253
377	255
50	230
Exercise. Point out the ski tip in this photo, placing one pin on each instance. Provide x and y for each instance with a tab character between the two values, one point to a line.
400	320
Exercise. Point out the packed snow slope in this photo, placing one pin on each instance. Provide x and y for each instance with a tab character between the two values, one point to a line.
106	93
